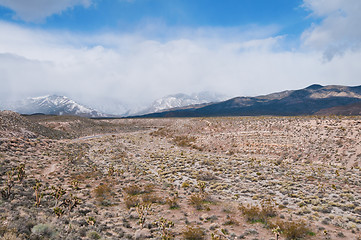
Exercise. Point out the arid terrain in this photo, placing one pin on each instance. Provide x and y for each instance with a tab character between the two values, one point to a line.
182	178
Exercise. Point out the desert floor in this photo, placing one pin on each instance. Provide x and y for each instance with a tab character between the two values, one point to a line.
201	178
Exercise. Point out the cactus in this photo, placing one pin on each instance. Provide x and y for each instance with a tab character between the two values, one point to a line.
58	211
201	187
38	193
164	225
71	202
6	192
111	171
75	184
277	232
91	221
21	172
143	210
57	193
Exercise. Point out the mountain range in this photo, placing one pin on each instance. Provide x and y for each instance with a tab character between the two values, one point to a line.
53	105
315	99
62	105
181	100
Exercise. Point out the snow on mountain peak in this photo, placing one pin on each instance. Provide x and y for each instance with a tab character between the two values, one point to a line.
182	100
55	105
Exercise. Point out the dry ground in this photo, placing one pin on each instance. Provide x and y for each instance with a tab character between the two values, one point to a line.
235	178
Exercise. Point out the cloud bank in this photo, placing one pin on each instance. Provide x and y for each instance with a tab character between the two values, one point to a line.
338	30
114	72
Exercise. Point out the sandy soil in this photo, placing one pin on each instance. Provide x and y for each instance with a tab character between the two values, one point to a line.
201	173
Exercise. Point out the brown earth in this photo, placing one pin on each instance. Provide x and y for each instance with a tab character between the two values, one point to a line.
235	178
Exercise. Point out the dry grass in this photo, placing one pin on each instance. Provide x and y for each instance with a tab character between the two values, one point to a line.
296	229
261	213
193	233
102	192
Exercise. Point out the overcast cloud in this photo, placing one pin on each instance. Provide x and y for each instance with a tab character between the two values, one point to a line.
339	30
134	69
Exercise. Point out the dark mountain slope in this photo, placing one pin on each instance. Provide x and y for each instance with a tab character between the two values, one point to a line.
305	101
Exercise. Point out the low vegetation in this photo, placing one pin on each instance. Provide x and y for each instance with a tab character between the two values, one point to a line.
211	178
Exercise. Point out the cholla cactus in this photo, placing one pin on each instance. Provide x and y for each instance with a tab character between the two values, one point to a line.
57	193
21	172
71	202
111	170
143	210
6	192
58	211
202	186
75	184
91	221
164	225
277	232
219	235
38	193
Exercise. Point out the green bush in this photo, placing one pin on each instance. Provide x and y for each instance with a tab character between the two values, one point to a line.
46	231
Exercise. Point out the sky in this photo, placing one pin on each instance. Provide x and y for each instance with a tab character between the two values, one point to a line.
120	54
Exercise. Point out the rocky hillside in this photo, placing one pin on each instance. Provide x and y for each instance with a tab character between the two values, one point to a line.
348	110
14	125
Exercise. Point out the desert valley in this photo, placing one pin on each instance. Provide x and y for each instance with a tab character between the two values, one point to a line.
67	177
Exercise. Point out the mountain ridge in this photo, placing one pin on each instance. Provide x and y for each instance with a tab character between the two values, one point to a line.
180	100
54	105
306	101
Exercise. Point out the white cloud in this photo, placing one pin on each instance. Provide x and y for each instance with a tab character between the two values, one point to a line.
135	70
38	10
339	29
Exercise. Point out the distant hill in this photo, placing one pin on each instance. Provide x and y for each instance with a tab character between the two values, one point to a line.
307	101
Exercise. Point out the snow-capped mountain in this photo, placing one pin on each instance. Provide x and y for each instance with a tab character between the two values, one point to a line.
182	100
54	105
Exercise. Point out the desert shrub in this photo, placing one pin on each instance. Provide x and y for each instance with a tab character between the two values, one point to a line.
150	198
206	176
46	231
186	184
292	229
184	141
172	201
231	221
252	213
10	236
133	189
197	200
148	188
102	192
93	235
193	233
131	201
268	208
161	132
255	213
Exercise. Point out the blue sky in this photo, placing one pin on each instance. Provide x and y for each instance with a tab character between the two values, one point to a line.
132	52
127	16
